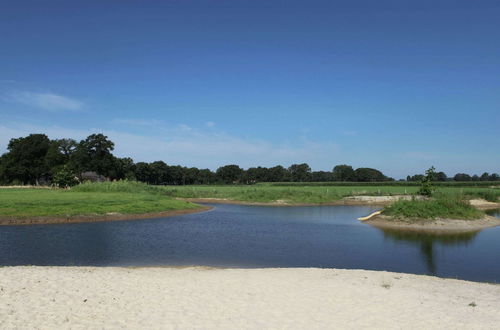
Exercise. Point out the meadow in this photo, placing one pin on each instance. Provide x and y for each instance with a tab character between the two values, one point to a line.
315	194
87	199
130	197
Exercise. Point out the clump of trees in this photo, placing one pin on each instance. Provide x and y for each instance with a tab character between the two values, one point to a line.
36	159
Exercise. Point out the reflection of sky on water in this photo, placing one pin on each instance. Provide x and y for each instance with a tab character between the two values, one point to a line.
256	236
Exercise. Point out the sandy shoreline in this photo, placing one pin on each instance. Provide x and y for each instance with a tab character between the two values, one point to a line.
350	200
9	221
200	297
436	226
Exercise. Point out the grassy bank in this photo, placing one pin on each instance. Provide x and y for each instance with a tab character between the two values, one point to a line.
87	199
313	194
445	207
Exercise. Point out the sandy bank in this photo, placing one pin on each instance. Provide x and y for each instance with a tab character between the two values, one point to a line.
484	204
436	226
97	217
196	297
351	200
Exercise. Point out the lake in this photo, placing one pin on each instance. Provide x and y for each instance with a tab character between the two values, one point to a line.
256	236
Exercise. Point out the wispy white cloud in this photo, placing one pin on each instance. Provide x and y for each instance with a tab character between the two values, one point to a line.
45	101
210	124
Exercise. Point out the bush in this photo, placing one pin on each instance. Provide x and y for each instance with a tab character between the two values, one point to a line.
451	207
64	178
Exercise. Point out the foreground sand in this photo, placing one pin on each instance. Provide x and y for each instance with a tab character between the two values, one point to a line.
197	297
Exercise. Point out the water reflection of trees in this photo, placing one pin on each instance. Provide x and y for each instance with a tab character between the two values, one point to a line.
426	241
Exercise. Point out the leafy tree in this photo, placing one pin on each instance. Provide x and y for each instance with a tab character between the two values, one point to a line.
229	173
159	172
343	173
494	177
205	176
321	176
484	177
415	178
427	187
462	177
25	159
64	178
278	174
143	172
300	172
441	176
365	174
94	154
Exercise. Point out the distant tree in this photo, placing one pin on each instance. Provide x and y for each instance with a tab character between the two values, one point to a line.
494	177
462	177
415	178
229	173
441	176
484	177
369	175
25	160
94	154
159	172
125	168
278	174
475	177
300	172
205	176
143	172
344	173
321	176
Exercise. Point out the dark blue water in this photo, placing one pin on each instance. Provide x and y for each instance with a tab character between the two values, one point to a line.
253	236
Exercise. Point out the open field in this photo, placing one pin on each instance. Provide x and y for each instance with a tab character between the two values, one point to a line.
128	197
447	207
313	194
28	203
214	298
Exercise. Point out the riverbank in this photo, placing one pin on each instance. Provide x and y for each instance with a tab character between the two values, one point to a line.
434	226
200	297
350	200
45	220
89	202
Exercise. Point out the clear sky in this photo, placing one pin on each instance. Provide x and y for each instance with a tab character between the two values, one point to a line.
395	85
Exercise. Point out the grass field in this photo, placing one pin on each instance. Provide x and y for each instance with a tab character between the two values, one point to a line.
26	203
447	207
129	197
313	194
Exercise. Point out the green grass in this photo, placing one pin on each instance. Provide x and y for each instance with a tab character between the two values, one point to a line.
89	199
129	197
447	207
313	194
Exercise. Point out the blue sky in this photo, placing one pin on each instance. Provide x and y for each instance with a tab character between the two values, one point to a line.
395	85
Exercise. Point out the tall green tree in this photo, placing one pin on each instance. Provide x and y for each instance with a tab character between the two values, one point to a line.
343	173
300	172
25	160
365	174
229	173
94	154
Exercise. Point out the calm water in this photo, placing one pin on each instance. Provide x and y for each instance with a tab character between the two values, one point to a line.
253	236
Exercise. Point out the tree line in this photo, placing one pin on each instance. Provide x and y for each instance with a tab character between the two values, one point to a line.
36	159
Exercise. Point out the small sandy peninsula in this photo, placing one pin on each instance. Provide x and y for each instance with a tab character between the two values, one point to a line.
435	226
209	298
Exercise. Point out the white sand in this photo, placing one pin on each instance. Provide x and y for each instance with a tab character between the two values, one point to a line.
196	297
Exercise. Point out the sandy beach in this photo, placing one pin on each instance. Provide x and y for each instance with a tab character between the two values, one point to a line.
199	297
